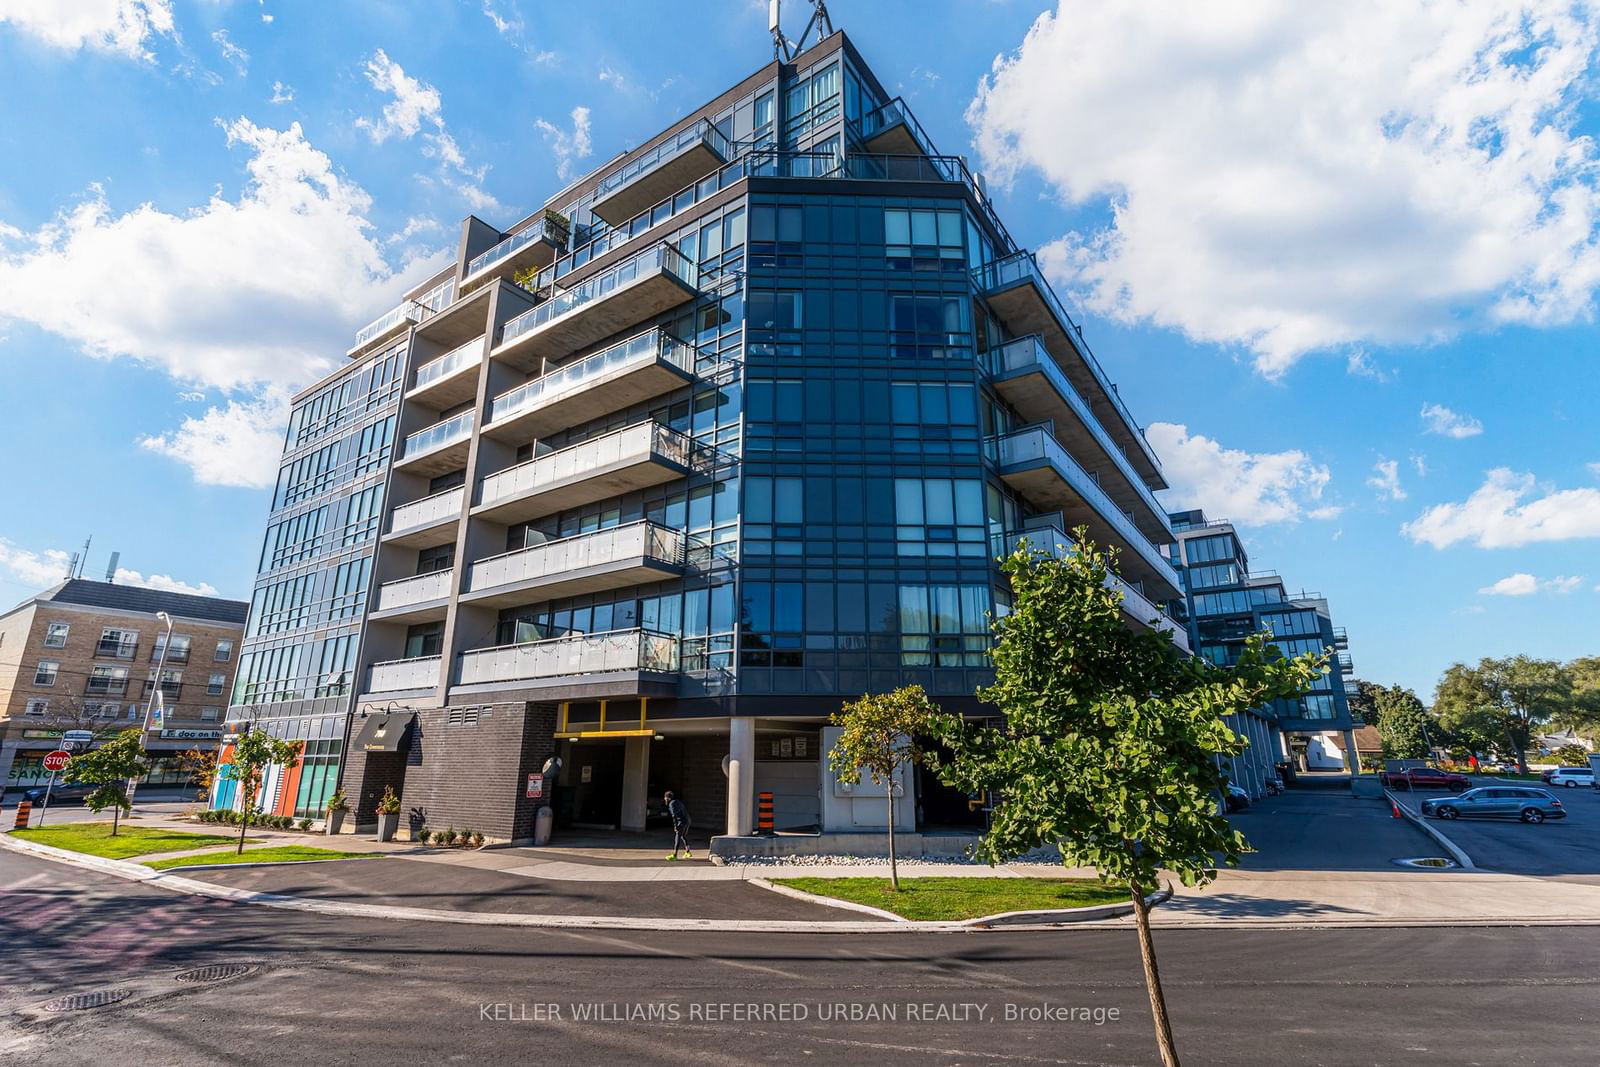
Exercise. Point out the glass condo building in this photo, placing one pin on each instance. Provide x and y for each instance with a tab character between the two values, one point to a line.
728	432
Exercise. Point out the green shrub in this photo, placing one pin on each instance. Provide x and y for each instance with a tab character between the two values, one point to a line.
424	835
477	839
448	837
305	824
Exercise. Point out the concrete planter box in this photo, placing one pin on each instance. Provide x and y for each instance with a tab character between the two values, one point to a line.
387	825
335	822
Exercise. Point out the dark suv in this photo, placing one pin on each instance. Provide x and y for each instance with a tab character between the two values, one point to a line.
1426	778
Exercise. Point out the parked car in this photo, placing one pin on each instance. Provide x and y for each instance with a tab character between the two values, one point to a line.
61	793
1571	777
1238	799
1527	803
1426	778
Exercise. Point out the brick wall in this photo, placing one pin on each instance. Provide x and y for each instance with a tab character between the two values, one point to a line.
692	768
471	774
365	775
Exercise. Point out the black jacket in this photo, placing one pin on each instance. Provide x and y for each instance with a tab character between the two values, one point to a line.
678	813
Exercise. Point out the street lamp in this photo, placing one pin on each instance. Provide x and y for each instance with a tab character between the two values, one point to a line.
155	688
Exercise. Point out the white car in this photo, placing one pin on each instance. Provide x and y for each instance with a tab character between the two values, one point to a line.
1571	777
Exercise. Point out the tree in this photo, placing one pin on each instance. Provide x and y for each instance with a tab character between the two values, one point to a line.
1475	728
1402	723
879	734
253	753
108	768
202	768
1523	691
1571	756
1582	713
1112	738
1364	702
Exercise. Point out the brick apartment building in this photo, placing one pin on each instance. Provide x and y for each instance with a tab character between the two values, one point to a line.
84	654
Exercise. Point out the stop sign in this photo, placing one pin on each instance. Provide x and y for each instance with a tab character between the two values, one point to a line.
57	761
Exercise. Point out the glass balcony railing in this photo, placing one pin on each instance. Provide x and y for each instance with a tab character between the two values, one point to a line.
886	115
641	441
662	258
702	132
646	348
438	435
428	510
1037	443
1022	266
452	361
420	672
566	657
418	589
1028	353
544	228
642	540
433	301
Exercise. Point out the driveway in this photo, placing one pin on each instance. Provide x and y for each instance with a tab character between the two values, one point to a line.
1568	848
1327	830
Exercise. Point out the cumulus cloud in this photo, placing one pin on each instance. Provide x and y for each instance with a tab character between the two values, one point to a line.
1250	488
1524	584
232	52
120	27
1496	515
164	582
238	295
32	568
1438	419
1295	177
281	93
569	146
1386	479
416	108
236	445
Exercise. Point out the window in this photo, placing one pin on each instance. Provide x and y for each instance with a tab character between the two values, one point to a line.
37	706
335	665
171	684
928	326
107	710
47	672
768	310
209	714
117	643
179	653
55	635
1209	549
939	517
438	558
224	651
922	240
216	684
107	681
425	639
1318	707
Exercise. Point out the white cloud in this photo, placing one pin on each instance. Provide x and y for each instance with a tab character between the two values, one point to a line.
1419	463
1249	488
1594	469
1294	177
37	569
1360	363
568	147
237	295
1386	479
510	27
414	225
1494	516
281	93
164	582
118	26
416	105
232	52
1524	584
1438	419
236	445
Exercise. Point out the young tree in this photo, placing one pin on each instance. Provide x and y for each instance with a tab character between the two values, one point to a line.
1112	739
878	734
1402	723
202	768
1524	691
109	768
1475	728
253	753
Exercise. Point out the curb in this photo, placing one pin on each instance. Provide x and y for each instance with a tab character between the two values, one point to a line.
1456	851
263	863
1055	917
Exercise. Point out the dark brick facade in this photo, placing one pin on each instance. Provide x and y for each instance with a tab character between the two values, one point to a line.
468	768
692	768
365	775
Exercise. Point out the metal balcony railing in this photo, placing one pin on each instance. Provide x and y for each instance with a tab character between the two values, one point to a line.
565	657
545	227
662	257
428	510
450	362
642	540
438	435
574	377
418	589
702	132
885	115
641	441
420	672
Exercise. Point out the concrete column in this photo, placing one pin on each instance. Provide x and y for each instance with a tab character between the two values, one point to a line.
1352	758
635	781
741	776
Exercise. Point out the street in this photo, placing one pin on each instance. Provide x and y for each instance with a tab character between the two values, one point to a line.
328	989
1568	849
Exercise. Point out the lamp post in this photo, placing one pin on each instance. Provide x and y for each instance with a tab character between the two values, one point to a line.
155	688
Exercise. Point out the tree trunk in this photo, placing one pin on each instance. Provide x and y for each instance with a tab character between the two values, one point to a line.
1152	975
894	872
244	816
116	810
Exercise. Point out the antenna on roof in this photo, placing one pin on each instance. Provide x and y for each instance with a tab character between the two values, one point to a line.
72	566
111	568
79	559
785	49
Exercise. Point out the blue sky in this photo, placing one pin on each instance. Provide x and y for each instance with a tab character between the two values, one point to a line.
1341	262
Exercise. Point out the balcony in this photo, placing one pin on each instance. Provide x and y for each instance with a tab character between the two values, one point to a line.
428	522
440	448
399	318
634	457
614	558
420	598
684	157
534	246
1033	463
450	379
891	129
638	369
1346	664
1032	383
1140	610
617	299
1018	293
618	663
1341	639
398	675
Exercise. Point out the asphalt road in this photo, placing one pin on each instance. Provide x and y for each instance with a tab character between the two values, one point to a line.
333	990
1567	848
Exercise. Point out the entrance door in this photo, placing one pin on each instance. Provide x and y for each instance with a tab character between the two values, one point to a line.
597	802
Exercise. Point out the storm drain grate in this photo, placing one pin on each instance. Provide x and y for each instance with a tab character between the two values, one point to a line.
217	972
100	998
1433	862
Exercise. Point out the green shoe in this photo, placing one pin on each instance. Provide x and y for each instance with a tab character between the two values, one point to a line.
672	857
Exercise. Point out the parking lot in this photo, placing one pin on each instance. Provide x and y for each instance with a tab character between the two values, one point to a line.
1562	847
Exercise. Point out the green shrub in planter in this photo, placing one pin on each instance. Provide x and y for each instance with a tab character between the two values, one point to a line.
477	839
424	836
305	824
466	837
448	837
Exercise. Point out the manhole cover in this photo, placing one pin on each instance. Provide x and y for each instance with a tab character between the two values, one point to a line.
1433	862
217	972
84	1001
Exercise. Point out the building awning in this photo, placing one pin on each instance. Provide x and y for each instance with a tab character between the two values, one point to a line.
384	732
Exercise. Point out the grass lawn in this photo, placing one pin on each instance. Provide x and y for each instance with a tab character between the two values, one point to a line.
962	898
95	839
277	854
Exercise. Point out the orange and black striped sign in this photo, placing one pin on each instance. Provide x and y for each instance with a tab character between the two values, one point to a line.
764	815
24	813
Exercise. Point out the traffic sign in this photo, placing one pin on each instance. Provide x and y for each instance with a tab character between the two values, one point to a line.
535	786
83	736
57	761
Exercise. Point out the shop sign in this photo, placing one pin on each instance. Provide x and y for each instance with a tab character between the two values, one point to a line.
192	735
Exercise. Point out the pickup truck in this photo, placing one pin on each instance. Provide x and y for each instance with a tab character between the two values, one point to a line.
1426	778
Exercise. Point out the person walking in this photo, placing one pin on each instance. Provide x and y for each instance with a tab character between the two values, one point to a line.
680	826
